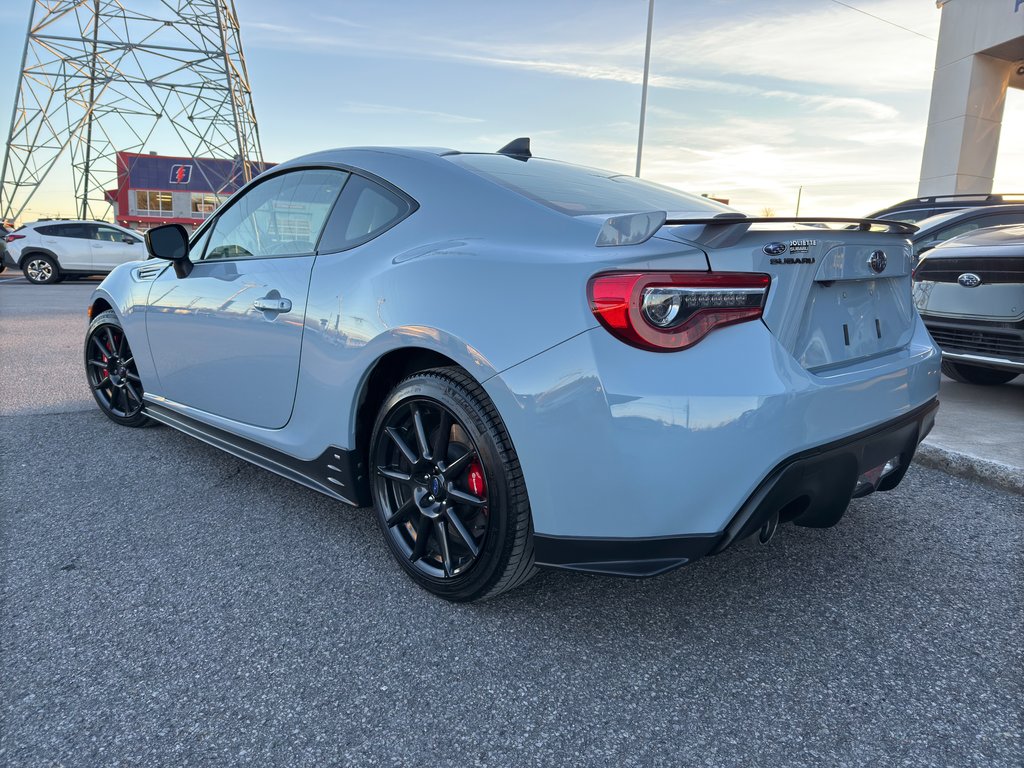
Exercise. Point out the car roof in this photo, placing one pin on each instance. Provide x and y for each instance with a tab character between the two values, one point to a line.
963	200
71	221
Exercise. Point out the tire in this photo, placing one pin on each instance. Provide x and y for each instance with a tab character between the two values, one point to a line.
41	270
975	374
111	372
455	516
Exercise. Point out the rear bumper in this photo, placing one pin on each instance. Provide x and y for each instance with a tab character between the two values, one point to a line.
811	488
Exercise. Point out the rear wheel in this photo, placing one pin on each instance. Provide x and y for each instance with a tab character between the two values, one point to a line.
975	374
112	374
448	489
41	270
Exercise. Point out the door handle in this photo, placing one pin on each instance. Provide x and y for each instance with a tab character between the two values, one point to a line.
273	305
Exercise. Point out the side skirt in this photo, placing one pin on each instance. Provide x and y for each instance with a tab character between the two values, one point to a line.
337	472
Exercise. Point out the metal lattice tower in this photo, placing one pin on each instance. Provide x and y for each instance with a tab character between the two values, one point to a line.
103	76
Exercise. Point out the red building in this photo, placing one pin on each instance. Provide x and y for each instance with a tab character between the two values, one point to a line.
155	189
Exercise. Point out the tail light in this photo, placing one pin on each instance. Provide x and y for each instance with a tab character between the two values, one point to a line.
668	311
12	238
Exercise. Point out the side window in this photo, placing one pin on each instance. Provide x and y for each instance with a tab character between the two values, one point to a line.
282	216
364	210
80	231
198	245
959	229
996	220
108	234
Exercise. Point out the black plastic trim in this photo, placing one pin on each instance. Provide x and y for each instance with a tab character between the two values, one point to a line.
635	558
337	472
32	250
826	475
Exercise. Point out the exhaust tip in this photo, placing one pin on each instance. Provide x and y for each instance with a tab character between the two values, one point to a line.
771	525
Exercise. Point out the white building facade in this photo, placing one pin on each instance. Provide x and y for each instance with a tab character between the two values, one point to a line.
980	54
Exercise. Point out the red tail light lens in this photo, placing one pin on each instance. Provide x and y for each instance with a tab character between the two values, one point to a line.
12	238
668	311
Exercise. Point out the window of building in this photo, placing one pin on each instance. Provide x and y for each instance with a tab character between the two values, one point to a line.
150	203
204	204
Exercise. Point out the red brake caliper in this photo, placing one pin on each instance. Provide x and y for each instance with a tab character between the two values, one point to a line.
476	479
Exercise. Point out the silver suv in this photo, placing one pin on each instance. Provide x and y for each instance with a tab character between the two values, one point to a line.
47	251
970	293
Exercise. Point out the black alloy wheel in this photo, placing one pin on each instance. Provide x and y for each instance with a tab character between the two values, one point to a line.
448	489
111	372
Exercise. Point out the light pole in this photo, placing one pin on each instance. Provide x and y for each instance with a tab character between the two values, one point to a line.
643	96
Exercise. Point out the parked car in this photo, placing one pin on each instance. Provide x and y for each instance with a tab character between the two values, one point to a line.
918	208
522	362
945	226
49	250
970	293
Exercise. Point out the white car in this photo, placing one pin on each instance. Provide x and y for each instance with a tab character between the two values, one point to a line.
48	251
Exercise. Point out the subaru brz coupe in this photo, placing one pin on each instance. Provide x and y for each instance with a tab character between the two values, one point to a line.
520	362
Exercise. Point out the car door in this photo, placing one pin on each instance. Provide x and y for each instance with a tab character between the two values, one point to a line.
70	243
112	247
226	338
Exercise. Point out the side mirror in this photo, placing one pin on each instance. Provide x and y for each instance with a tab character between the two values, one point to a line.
129	239
170	242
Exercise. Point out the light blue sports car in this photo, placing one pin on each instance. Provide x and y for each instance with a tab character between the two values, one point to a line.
520	362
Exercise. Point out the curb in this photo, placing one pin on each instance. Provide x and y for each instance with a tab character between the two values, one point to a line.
994	474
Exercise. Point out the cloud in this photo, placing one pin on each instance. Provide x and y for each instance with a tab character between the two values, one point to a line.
830	46
339	20
360	108
751	107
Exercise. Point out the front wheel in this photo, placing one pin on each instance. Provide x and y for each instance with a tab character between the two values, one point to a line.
112	374
975	374
448	490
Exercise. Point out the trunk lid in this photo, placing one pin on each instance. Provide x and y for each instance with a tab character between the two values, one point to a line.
837	295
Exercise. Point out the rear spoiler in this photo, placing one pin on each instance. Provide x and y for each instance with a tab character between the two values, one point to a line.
864	225
725	230
721	230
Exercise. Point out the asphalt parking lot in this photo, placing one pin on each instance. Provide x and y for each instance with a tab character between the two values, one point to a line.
166	604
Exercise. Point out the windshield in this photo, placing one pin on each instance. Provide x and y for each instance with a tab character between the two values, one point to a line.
577	190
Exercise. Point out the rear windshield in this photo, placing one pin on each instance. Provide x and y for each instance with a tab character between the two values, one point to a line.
577	190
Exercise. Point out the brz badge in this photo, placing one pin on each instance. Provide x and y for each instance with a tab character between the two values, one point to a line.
878	261
774	249
969	280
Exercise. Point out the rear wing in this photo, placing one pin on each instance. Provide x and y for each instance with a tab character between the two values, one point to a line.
721	230
864	225
725	230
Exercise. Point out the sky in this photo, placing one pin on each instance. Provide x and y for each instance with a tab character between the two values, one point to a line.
748	100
